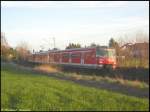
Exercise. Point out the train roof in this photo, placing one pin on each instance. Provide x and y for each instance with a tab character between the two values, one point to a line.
74	49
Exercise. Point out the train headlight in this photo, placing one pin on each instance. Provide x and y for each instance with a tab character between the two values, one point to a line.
109	60
101	61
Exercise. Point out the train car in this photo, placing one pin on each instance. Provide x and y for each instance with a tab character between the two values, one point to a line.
96	57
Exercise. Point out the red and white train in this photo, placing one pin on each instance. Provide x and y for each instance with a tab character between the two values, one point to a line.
81	57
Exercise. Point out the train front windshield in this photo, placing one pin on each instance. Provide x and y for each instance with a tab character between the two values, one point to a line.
105	52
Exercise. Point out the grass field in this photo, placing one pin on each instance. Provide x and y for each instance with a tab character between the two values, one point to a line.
24	90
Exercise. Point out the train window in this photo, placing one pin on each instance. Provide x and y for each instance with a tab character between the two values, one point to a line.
105	52
65	55
75	55
101	52
56	55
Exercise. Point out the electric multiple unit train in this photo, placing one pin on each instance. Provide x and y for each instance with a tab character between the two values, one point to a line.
96	57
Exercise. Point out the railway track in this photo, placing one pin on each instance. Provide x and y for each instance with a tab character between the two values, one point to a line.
140	74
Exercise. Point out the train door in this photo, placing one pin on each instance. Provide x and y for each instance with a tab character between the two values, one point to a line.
60	58
65	57
70	60
76	57
89	57
82	57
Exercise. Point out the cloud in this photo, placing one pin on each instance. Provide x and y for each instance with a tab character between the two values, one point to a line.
78	32
26	4
63	4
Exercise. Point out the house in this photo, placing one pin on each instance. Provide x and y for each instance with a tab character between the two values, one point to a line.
138	50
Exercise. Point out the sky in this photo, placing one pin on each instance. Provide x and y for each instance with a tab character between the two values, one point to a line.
83	22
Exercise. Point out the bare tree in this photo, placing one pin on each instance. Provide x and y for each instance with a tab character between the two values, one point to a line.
3	40
22	50
135	48
4	48
141	37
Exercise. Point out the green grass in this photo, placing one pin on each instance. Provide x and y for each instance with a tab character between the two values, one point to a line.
23	90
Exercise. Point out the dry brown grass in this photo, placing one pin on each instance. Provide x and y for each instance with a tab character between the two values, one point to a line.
76	76
46	68
117	79
137	83
133	83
